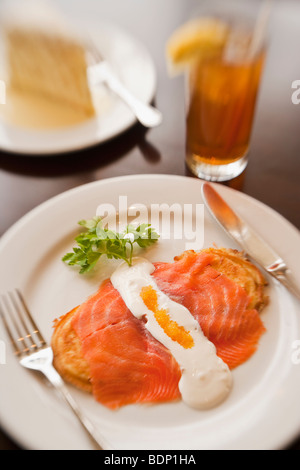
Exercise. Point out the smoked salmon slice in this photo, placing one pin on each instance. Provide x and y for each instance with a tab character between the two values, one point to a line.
219	304
127	365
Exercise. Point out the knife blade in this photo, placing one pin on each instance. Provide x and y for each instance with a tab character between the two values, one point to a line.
251	242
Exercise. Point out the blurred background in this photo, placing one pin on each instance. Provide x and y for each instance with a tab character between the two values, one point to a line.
275	133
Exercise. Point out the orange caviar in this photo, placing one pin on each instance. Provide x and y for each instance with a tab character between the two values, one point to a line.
171	328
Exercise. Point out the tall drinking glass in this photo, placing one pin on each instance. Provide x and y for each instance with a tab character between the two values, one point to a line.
222	89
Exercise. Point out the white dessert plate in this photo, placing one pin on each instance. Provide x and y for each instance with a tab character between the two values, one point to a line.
134	66
262	411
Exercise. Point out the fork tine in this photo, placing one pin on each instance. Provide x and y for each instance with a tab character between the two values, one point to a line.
12	327
3	314
16	312
93	52
25	333
35	331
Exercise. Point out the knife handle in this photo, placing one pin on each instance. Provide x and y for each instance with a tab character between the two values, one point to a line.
284	275
289	283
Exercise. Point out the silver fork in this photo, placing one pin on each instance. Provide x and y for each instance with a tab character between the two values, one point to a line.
34	353
100	71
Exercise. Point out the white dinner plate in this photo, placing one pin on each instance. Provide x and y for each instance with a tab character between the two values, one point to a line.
262	411
134	66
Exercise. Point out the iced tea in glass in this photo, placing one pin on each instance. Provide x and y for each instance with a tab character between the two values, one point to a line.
221	98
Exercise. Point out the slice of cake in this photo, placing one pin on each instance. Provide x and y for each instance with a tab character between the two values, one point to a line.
45	57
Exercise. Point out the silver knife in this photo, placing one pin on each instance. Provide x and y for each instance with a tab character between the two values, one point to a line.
253	245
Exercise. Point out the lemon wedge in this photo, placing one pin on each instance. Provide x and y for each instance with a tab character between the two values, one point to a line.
195	38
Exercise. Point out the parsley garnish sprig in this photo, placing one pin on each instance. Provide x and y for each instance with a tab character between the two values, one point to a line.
97	241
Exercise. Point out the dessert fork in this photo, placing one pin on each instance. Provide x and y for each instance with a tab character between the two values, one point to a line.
100	71
33	353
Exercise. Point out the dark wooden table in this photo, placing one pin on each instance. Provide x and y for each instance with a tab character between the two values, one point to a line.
273	172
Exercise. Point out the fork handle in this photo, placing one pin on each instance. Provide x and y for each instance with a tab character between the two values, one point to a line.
57	382
145	113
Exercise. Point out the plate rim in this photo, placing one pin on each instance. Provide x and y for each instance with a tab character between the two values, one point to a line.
8	428
113	179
